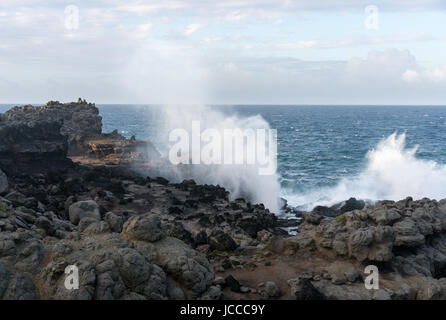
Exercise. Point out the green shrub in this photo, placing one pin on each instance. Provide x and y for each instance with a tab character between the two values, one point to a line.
265	248
341	219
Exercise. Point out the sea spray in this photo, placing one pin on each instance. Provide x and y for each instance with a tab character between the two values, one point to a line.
241	180
177	74
392	172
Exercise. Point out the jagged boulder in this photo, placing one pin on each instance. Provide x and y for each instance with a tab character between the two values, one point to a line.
339	208
144	228
84	209
269	289
218	240
188	267
115	221
407	233
303	289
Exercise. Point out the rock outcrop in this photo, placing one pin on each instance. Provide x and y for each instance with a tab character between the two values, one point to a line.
39	247
35	138
406	240
129	237
78	121
113	148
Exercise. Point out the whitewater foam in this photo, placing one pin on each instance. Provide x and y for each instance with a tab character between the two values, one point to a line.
392	172
242	181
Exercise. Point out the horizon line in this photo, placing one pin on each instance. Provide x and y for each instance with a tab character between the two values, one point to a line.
243	104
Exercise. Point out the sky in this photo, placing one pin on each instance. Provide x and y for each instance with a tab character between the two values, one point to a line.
223	52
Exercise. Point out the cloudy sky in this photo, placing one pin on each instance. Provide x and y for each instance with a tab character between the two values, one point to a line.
224	52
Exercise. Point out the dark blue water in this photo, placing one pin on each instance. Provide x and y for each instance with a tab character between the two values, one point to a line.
318	145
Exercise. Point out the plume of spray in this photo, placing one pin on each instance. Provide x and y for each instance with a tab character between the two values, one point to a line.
393	172
241	180
179	76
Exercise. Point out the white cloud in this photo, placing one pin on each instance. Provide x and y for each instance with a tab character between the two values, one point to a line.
142	7
375	79
438	74
353	41
411	76
356	41
212	39
229	67
294	45
188	30
142	30
388	64
435	75
114	32
235	16
382	39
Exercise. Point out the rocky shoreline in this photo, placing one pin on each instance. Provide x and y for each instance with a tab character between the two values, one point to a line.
72	195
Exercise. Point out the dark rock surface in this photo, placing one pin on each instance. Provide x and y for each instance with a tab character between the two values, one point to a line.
31	148
131	237
406	240
340	208
303	289
125	252
78	121
4	185
35	138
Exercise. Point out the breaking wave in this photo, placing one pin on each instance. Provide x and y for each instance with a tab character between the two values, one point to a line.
242	181
392	172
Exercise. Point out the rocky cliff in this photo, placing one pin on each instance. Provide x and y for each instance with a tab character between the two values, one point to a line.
77	120
34	138
29	148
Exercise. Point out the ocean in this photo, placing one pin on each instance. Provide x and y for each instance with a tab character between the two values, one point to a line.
327	154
